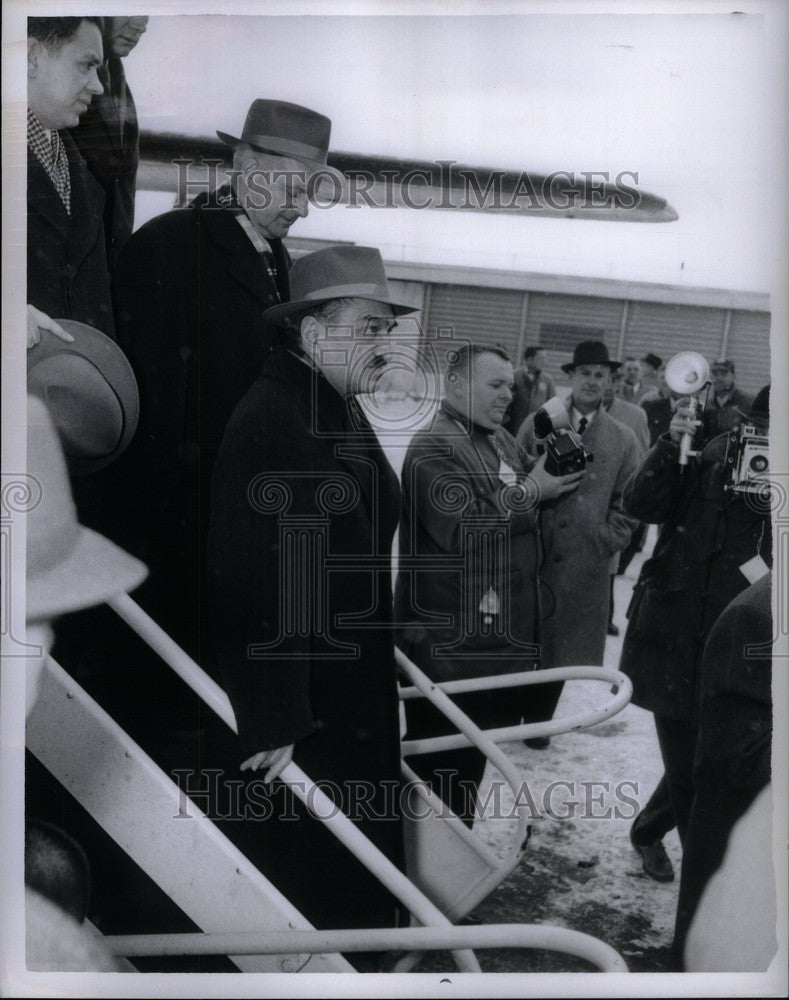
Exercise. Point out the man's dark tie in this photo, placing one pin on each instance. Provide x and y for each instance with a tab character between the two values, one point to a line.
582	425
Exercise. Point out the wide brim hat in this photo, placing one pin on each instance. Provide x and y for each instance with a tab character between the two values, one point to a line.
90	390
69	567
591	352
335	273
759	409
290	130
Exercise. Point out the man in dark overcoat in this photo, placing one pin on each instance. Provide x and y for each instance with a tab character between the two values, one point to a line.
305	506
467	585
67	275
712	538
191	289
108	136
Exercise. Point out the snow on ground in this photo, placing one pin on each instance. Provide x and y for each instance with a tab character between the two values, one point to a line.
579	869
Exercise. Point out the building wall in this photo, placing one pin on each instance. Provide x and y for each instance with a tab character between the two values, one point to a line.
516	309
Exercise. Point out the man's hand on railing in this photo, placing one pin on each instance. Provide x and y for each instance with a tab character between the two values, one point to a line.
275	760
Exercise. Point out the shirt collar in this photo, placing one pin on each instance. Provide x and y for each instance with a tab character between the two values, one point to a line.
576	416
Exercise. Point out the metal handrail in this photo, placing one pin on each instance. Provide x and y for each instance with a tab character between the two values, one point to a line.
505	734
317	801
530	936
339	824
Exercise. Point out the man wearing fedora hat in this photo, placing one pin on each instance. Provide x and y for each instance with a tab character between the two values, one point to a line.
304	509
192	287
67	275
583	530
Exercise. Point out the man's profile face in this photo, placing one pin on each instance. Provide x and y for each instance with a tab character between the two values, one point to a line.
536	363
125	32
353	348
272	190
62	80
589	382
484	393
632	371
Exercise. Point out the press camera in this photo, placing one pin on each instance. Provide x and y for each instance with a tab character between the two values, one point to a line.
748	457
565	451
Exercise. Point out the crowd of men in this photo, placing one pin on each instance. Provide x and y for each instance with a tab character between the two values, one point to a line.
256	492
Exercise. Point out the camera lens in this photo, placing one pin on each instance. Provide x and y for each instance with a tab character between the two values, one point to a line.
759	463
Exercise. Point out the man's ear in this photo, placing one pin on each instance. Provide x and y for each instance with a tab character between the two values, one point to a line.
33	57
309	332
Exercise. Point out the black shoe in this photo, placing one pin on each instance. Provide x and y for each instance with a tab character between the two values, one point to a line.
612	629
538	742
657	863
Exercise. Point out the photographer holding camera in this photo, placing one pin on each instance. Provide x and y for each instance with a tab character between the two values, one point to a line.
583	530
715	541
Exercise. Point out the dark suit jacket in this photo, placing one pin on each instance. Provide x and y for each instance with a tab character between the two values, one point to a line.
299	555
67	275
190	292
110	145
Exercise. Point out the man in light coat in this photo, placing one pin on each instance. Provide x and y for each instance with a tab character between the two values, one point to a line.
583	530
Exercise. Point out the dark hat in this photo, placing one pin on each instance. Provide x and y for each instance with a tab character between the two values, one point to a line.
283	129
91	392
759	410
591	352
653	360
724	364
335	273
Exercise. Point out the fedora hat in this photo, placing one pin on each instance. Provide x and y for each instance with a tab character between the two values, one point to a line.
591	352
283	129
69	567
91	392
653	360
335	273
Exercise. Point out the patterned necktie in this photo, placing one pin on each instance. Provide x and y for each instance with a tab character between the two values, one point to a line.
60	173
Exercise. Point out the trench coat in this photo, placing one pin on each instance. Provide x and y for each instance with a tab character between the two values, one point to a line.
67	276
694	572
305	506
190	291
581	531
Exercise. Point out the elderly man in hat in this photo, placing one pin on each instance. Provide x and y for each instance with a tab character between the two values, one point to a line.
304	510
583	530
192	287
726	402
67	276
